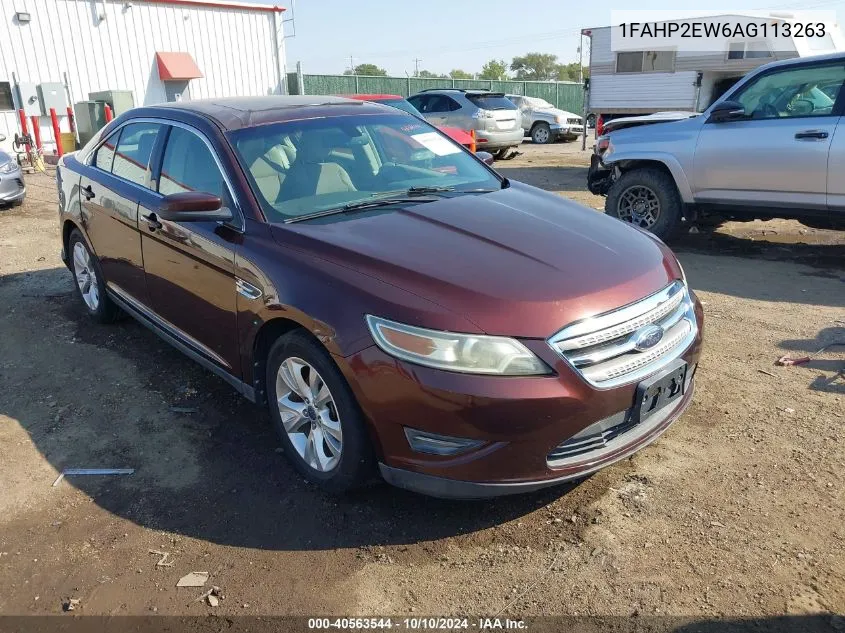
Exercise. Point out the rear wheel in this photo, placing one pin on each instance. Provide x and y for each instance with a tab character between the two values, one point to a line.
90	284
322	429
541	133
648	199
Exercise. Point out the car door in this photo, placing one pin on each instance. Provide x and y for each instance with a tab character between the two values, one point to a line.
112	185
524	110
777	155
189	266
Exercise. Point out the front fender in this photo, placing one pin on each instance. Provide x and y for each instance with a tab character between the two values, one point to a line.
623	158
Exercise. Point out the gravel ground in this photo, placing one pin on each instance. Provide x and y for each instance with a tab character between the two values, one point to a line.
737	511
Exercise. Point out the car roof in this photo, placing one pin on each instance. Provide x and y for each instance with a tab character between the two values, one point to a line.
372	97
239	112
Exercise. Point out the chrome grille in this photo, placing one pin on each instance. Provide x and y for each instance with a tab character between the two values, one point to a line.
605	349
574	121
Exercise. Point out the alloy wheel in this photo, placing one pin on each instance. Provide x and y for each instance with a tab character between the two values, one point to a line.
639	205
309	414
541	135
86	277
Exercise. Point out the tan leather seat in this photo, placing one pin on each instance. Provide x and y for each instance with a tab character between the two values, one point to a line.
268	167
312	174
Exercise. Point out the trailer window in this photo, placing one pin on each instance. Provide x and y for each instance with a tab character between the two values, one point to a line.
645	61
749	50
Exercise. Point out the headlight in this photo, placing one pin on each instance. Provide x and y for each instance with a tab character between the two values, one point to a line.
468	353
7	168
559	119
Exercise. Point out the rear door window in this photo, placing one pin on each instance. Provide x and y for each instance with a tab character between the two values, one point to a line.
134	149
492	102
104	156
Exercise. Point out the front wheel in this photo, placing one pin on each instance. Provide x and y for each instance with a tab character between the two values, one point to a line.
648	199
322	429
541	133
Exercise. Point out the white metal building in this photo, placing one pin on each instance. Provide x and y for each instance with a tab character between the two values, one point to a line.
642	82
159	50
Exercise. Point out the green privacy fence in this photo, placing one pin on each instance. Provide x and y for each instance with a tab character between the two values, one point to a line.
567	96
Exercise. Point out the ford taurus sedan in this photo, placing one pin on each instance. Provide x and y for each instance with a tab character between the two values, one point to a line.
400	307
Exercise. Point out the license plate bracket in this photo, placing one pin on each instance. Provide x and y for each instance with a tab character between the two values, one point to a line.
658	391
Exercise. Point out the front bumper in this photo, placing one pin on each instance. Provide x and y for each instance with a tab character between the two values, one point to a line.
599	176
12	187
445	488
567	131
518	421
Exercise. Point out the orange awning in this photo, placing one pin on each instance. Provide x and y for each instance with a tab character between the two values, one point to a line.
177	67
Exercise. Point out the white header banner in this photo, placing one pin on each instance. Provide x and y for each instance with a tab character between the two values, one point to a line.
772	31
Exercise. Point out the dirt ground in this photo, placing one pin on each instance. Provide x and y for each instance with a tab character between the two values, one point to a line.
737	511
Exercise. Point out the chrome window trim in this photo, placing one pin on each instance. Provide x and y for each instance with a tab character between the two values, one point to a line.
86	160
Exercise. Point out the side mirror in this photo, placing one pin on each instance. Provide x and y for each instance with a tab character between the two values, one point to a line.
193	206
2	137
485	157
727	111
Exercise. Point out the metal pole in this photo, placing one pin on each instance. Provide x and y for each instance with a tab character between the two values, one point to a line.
56	132
36	130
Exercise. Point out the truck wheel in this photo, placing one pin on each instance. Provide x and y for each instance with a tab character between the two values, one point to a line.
541	133
648	199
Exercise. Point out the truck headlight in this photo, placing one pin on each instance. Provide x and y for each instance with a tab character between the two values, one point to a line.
467	353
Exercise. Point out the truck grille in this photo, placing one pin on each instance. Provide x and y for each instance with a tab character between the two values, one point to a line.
632	342
574	120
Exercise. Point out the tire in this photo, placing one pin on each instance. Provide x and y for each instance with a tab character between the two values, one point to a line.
343	460
89	281
541	134
640	189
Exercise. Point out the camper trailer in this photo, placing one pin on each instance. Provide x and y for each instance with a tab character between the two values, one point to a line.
628	83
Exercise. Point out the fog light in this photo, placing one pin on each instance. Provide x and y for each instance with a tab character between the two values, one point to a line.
434	444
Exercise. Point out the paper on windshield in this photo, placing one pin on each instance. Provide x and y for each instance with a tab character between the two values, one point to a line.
433	142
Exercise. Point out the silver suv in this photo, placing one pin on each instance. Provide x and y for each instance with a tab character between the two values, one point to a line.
545	123
496	120
768	148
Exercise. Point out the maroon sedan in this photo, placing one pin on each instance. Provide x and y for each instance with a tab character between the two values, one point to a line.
399	306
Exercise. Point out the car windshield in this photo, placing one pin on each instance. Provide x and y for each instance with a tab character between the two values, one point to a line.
492	101
400	104
301	168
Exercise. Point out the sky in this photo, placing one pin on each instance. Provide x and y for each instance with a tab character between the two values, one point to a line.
450	34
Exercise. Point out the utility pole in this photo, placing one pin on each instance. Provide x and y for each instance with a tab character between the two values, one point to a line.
417	67
581	60
352	64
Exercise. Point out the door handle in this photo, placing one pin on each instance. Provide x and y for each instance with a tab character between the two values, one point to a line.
152	221
814	134
88	192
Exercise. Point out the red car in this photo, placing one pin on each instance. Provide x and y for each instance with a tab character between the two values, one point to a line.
399	307
398	101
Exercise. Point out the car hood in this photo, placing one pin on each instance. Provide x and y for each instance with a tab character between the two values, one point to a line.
517	262
556	112
649	119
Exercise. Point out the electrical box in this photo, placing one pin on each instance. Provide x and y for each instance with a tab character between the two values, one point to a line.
90	118
52	95
119	100
28	99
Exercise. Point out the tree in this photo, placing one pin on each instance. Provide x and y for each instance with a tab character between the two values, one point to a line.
496	69
367	69
460	74
427	74
569	72
535	66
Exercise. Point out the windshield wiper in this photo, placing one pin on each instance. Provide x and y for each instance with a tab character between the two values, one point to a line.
358	206
420	190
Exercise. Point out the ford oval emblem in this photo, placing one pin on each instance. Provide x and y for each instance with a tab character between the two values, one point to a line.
647	337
